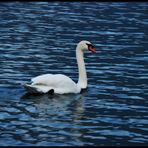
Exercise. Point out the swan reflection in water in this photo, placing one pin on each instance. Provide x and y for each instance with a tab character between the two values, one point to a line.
57	114
57	104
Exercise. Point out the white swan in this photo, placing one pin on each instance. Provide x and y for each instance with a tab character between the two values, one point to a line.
61	84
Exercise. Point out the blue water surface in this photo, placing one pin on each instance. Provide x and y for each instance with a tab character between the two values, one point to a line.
41	37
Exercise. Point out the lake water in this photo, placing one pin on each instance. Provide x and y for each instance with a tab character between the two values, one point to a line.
41	37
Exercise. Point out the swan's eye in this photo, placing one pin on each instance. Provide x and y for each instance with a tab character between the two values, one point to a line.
91	47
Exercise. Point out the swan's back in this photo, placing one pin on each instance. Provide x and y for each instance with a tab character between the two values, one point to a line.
52	80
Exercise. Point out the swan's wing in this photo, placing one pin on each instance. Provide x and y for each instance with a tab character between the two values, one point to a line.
42	79
60	83
52	80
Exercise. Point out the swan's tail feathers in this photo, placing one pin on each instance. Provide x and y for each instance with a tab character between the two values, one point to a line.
38	89
31	89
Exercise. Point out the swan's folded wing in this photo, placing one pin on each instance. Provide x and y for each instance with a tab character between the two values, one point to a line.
42	79
57	81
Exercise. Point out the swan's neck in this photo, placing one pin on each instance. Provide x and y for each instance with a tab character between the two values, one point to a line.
82	81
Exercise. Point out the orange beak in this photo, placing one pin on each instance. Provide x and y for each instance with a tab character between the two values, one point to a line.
92	49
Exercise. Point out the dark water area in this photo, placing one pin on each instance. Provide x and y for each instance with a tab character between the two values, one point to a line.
41	37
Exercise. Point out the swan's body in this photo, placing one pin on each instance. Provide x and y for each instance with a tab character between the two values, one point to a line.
61	84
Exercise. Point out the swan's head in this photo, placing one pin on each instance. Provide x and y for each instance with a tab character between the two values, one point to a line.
86	45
